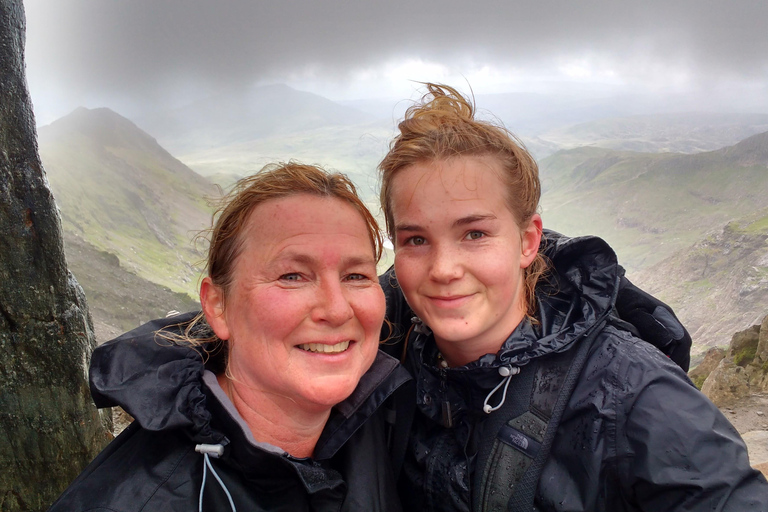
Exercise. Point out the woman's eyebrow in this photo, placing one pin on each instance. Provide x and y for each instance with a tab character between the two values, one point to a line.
350	261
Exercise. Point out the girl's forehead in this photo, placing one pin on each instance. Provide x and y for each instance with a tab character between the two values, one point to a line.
459	178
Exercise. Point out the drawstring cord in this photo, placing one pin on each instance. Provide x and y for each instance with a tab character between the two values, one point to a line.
216	450
507	372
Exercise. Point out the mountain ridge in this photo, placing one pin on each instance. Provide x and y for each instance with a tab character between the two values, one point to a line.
120	191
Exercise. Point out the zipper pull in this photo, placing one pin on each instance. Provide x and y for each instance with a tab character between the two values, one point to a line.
447	416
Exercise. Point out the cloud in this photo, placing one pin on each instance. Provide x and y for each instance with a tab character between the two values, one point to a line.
139	50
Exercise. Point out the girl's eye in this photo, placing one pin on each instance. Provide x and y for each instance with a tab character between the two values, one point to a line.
416	240
474	235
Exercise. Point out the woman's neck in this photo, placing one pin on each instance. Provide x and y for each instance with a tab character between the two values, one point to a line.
275	419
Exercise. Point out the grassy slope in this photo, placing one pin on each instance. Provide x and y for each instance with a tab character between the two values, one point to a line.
719	285
123	194
650	205
118	300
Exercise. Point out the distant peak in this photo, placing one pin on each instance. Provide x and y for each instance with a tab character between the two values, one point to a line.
103	126
750	151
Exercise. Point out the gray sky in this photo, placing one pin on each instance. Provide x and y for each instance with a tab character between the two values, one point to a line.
133	55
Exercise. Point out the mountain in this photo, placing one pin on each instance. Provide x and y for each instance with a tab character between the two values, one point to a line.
122	193
719	284
650	205
241	115
675	133
118	300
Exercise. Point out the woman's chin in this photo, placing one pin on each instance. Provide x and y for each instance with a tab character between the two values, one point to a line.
325	392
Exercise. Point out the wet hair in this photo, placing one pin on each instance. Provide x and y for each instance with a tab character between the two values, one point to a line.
228	225
442	126
275	181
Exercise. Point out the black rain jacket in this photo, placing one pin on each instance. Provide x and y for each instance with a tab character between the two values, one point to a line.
636	434
177	404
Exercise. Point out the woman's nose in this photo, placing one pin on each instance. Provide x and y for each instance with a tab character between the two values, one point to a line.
333	305
445	265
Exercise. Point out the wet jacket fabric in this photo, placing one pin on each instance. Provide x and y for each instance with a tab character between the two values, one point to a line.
636	434
153	465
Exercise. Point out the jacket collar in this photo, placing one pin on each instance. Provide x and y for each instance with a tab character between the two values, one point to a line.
161	385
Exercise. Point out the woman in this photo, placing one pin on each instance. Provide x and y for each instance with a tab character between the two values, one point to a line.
278	411
486	316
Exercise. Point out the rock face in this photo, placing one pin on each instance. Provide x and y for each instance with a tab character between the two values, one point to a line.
49	428
711	359
743	370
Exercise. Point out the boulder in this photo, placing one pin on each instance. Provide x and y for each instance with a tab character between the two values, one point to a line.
711	359
726	384
49	428
743	346
761	357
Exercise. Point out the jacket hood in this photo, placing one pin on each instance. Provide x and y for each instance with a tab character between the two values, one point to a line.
162	385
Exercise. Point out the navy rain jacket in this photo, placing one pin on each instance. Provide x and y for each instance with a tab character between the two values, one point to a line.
636	434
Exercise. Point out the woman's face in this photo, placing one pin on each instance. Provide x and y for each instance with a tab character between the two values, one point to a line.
460	254
304	311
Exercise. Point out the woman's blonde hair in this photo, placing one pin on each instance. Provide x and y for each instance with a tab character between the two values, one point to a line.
443	126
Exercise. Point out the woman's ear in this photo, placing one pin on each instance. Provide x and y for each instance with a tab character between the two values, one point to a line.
212	301
530	238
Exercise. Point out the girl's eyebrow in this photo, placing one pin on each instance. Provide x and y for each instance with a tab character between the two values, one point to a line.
408	227
469	219
463	221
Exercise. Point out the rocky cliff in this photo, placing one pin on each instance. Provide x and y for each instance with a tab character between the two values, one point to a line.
49	428
742	370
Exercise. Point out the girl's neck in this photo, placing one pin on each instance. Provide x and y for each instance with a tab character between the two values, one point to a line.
276	419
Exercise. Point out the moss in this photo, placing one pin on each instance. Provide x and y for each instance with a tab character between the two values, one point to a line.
698	380
745	356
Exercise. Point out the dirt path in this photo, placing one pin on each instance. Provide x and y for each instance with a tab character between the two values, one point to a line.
750	417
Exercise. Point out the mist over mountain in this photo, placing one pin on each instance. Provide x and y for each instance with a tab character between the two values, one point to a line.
121	193
243	114
690	132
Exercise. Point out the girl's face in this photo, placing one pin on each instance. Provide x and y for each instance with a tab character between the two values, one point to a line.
460	254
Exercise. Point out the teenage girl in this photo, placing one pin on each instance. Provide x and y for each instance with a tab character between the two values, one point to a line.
486	308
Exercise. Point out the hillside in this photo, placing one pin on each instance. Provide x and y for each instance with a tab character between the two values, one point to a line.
121	192
118	300
719	285
650	205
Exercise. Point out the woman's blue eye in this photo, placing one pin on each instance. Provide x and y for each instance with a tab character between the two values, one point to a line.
356	277
290	277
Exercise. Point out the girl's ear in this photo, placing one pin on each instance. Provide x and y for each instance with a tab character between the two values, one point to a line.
212	301
530	237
